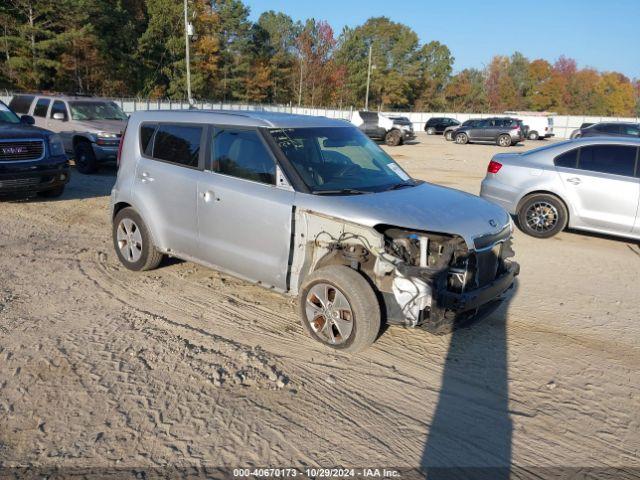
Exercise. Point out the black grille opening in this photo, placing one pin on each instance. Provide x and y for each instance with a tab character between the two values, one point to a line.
21	150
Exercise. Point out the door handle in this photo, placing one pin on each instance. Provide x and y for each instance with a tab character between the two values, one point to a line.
145	177
574	181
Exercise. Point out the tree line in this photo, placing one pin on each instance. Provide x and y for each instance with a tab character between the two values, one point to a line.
136	48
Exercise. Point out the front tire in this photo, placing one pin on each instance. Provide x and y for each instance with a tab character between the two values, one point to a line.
533	135
448	136
542	215
431	131
85	158
393	138
462	138
338	308
132	242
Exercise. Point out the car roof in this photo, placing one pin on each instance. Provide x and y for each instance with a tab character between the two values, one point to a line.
612	122
74	98
585	141
249	118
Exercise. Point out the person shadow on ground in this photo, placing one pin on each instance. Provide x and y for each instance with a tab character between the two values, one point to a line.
470	434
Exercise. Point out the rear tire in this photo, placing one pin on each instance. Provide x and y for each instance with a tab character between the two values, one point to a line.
542	215
85	158
504	140
53	193
393	138
431	131
462	138
359	316
132	242
533	135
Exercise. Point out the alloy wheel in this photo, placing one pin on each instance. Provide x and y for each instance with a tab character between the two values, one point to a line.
542	216
329	313
129	240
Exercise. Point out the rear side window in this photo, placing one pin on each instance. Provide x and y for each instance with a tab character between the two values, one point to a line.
633	130
614	159
59	107
567	159
179	144
242	154
21	103
608	128
146	134
42	105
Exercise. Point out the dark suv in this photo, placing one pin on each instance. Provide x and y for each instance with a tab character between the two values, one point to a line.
608	129
439	125
502	131
32	160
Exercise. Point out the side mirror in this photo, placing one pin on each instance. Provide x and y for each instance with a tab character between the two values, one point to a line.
59	116
27	120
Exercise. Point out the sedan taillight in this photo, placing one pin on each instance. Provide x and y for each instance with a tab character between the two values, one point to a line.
494	167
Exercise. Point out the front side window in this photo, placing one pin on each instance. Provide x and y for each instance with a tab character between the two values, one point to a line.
242	154
89	110
179	144
339	160
631	130
614	159
42	105
59	107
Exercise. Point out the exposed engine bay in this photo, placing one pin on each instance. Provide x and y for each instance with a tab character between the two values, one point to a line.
422	278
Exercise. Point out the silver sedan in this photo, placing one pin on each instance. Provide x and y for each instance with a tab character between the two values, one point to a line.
587	184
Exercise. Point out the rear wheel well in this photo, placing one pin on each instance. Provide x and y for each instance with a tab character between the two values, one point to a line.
544	192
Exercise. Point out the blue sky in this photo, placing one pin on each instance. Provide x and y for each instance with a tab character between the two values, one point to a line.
604	34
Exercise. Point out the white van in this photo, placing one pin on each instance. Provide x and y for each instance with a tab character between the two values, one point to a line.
540	124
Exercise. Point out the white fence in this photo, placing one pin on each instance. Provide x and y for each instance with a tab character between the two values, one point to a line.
563	125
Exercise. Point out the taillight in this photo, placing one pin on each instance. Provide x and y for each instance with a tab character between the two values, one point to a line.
120	146
494	167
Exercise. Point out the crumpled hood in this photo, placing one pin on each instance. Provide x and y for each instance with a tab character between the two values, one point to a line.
19	130
94	126
426	207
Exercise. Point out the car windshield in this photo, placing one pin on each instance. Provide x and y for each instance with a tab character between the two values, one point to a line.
96	111
7	116
339	160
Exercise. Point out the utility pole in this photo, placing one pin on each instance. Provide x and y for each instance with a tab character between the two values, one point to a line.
186	44
300	86
366	100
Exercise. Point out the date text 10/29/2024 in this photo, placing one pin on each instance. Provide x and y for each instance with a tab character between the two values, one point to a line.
316	473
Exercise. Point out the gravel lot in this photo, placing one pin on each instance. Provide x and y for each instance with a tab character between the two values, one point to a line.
101	367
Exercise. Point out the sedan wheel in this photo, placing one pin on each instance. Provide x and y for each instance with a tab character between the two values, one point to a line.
542	215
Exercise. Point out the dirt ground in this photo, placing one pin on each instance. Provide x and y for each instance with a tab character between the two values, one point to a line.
102	367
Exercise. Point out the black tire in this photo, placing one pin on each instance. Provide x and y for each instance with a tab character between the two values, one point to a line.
533	135
53	193
431	131
461	138
85	158
149	257
504	140
448	136
362	300
393	138
542	215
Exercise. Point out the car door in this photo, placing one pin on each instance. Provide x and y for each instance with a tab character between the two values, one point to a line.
60	125
40	111
602	189
479	130
166	183
244	218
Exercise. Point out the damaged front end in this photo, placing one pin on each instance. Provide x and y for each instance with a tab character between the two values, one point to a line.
438	281
427	280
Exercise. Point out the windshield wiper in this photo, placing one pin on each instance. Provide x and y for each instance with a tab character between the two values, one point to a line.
400	185
341	191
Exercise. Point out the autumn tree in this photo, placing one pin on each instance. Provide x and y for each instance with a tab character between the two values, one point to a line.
502	93
466	92
435	64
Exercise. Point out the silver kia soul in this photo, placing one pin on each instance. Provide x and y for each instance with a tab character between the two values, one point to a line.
309	206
